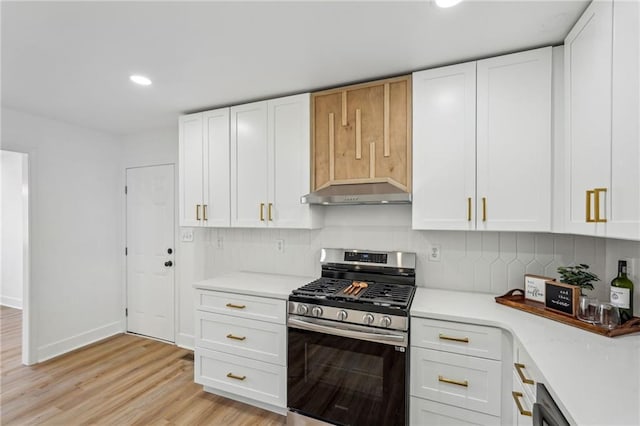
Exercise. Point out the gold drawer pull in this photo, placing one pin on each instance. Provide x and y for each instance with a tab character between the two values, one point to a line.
231	336
516	398
233	376
204	212
454	339
597	192
262	212
198	212
469	209
231	305
270	211
519	368
588	207
463	383
484	209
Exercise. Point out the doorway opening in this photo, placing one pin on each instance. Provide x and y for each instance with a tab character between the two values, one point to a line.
14	231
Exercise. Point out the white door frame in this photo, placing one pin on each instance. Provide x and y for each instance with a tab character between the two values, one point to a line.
175	242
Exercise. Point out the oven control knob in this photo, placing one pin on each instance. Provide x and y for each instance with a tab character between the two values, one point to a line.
316	311
342	315
303	309
368	319
385	322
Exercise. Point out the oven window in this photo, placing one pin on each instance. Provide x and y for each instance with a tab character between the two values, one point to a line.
346	381
361	375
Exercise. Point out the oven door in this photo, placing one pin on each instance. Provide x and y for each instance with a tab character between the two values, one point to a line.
351	375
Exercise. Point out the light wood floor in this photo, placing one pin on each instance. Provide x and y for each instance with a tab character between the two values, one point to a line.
124	380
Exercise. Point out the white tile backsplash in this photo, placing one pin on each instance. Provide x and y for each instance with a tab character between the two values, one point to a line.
488	262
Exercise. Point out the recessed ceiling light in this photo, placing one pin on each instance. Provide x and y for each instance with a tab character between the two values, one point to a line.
140	79
447	3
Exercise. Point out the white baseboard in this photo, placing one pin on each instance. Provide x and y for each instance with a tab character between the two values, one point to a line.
67	345
185	341
12	302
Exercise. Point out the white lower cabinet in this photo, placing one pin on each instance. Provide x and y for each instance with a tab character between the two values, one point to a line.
449	386
425	412
522	404
460	380
241	348
260	381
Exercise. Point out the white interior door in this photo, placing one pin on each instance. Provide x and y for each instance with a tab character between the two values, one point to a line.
150	251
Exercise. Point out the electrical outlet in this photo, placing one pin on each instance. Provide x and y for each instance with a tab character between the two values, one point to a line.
434	253
280	246
220	242
187	235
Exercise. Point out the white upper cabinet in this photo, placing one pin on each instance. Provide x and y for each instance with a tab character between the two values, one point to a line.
216	171
249	165
444	147
493	174
623	220
190	169
587	63
514	142
602	146
289	173
203	158
270	164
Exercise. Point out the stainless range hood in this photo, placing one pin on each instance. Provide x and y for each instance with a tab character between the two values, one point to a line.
358	193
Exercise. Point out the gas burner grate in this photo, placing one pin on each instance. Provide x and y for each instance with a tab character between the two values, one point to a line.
392	294
323	287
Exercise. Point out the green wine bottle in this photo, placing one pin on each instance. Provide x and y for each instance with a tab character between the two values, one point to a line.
622	292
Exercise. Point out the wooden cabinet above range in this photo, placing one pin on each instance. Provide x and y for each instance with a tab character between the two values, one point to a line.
362	133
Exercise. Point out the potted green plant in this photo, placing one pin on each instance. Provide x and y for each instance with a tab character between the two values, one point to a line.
578	275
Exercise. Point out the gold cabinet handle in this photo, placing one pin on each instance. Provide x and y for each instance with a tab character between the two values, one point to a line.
262	212
523	378
516	398
231	305
462	383
231	336
270	208
597	192
197	211
484	209
233	376
204	212
469	209
454	339
588	207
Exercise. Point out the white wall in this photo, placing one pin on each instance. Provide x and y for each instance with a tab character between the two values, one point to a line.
12	212
75	212
161	147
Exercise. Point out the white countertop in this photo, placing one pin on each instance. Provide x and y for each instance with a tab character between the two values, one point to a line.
594	379
255	284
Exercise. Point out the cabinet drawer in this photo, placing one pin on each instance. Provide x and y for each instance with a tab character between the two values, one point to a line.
466	339
424	412
245	377
522	405
240	305
459	380
526	372
259	340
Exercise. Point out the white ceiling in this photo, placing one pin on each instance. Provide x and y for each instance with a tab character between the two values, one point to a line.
71	60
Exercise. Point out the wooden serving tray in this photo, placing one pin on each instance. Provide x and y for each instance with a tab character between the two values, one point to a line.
518	301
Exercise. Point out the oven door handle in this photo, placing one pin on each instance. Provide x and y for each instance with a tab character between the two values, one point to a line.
355	332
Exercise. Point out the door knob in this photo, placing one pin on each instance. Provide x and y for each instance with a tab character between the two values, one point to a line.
168	263
169	250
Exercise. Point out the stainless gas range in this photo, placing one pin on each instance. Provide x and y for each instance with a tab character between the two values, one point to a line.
348	334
